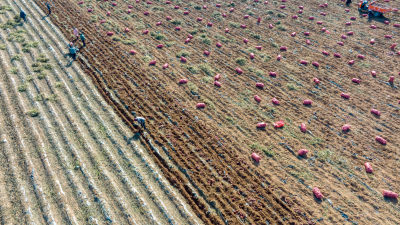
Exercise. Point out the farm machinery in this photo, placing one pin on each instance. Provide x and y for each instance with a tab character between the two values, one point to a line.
374	8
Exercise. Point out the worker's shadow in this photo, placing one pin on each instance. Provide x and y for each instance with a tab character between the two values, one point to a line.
380	19
70	60
44	17
135	137
69	63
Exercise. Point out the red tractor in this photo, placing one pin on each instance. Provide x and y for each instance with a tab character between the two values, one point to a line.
374	8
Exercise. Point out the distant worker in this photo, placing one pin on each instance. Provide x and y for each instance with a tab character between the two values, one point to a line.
141	121
72	51
83	39
48	8
348	2
22	14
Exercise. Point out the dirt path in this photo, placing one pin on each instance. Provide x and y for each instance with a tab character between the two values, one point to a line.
86	165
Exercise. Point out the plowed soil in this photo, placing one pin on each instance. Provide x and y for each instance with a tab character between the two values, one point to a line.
206	153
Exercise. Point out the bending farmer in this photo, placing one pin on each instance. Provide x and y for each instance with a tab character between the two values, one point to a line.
141	121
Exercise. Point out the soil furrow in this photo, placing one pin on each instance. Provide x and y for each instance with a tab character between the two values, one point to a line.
29	203
92	114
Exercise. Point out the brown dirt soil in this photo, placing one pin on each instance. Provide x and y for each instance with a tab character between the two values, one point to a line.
206	153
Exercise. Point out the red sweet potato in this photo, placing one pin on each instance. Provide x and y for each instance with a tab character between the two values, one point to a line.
261	125
302	152
279	124
307	102
303	128
368	167
345	95
238	70
317	193
200	105
255	157
356	80
346	128
376	112
304	62
391	79
260	85
275	101
380	140
316	64
183	81
390	194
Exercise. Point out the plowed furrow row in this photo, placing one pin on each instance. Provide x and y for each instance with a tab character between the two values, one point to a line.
36	89
132	183
106	156
32	204
36	172
11	197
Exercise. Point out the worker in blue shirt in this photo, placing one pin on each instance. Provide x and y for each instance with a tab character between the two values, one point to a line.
72	51
22	14
48	8
83	39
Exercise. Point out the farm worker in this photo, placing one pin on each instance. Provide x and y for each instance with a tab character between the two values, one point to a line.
141	121
348	2
22	14
72	51
76	33
48	8
364	4
83	39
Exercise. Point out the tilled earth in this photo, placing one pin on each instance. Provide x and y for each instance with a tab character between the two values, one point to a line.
205	153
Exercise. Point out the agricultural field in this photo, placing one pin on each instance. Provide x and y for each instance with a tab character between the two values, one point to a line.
66	157
233	93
